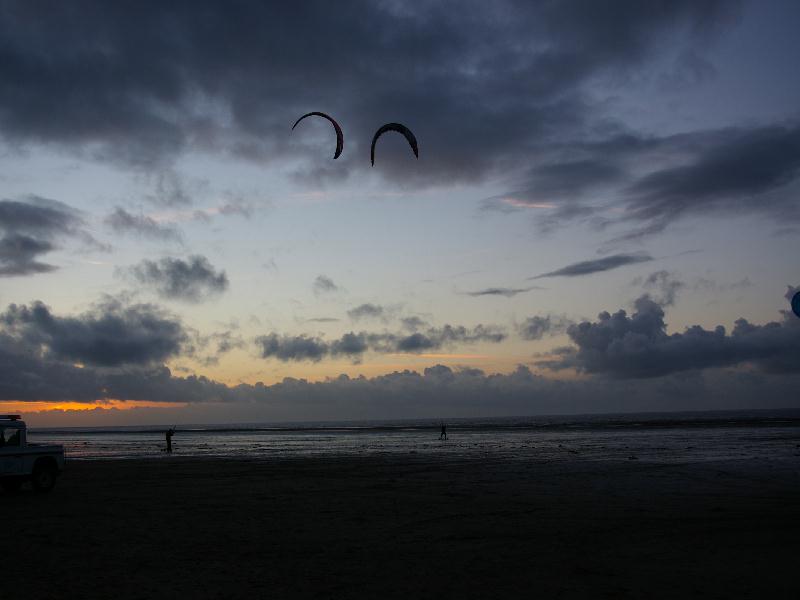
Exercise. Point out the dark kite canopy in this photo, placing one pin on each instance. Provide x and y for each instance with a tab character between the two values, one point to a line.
339	134
400	128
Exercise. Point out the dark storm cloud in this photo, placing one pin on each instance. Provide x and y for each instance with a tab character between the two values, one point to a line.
587	267
506	292
143	82
192	280
323	285
111	335
366	311
354	345
29	229
638	346
121	221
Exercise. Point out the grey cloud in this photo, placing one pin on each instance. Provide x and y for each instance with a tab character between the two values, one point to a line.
29	229
734	171
786	232
599	265
506	292
226	341
304	347
638	346
18	255
654	181
565	181
536	327
715	286
111	335
366	311
352	344
169	79
237	207
323	285
173	189
416	342
192	280
25	376
121	221
40	217
435	338
208	349
413	323
667	285
288	348
401	394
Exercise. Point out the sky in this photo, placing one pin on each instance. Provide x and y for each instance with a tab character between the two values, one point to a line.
603	216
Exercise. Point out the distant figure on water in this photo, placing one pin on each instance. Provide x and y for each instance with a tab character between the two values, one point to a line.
170	433
443	434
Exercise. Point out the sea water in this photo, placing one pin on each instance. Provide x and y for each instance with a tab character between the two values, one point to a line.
667	437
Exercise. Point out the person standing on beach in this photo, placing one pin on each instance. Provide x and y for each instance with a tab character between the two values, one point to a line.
443	434
170	433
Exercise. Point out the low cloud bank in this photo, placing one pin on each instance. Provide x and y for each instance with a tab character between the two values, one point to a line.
354	345
638	346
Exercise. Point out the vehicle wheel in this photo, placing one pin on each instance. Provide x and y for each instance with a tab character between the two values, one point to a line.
43	478
11	486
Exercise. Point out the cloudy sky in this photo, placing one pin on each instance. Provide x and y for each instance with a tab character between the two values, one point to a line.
604	215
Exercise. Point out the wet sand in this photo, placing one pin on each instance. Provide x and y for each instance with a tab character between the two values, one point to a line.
405	526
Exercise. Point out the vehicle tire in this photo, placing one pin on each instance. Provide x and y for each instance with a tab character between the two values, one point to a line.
11	486
43	478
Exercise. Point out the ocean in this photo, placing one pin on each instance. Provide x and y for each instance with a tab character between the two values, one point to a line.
654	437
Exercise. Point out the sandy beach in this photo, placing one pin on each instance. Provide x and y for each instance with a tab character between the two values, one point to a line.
406	526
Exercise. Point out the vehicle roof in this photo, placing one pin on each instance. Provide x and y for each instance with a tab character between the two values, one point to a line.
12	421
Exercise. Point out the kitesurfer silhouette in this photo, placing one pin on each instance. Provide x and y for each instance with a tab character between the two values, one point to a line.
169	434
443	434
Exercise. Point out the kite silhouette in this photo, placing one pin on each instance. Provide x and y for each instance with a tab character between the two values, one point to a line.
796	304
400	128
339	134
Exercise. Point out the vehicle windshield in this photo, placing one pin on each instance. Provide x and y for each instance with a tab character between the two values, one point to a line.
9	436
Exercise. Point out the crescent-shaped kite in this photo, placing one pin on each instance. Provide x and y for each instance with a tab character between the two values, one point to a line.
400	128
339	134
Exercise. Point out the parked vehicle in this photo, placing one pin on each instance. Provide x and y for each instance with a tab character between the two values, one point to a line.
20	461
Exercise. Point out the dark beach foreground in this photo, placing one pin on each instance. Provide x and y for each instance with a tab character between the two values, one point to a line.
405	526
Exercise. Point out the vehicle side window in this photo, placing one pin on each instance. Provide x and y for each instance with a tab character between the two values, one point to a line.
10	437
